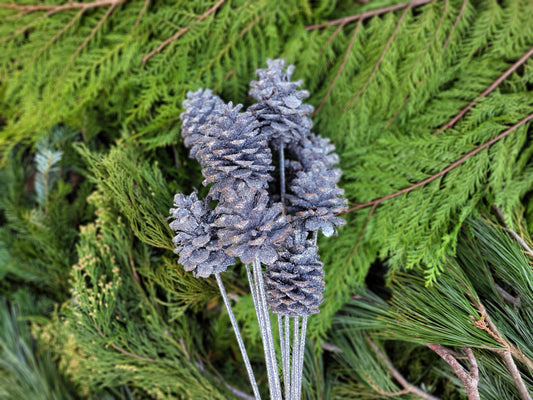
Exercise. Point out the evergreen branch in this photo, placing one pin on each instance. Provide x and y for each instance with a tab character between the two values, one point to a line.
515	301
461	11
368	14
398	376
93	32
419	59
358	242
341	68
59	33
470	380
334	35
142	12
182	31
118	348
376	67
444	171
53	8
493	86
515	235
25	27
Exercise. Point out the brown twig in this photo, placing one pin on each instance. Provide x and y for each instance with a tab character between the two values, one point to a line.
61	7
368	14
508	297
182	31
515	235
124	351
493	86
461	11
444	171
381	57
334	35
485	323
341	68
470	380
398	376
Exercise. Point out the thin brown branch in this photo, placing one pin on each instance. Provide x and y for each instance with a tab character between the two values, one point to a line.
334	35
381	57
515	235
124	351
61	7
493	86
341	68
444	171
397	375
356	246
24	28
470	380
368	14
461	11
182	31
510	351
508	297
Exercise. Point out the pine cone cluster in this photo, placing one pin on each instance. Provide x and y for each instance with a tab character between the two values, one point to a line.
248	220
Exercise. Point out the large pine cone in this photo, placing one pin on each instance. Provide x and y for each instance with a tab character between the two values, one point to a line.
283	116
196	242
249	227
202	108
295	283
240	152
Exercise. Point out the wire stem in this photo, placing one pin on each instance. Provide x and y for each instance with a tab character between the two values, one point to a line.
295	345
239	337
301	358
282	172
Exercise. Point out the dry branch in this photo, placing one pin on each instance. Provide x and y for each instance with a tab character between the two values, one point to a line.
410	388
368	14
182	31
61	7
444	171
470	380
461	11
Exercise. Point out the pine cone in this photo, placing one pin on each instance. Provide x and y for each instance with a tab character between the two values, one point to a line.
202	108
197	244
315	148
239	152
249	227
280	110
316	198
295	283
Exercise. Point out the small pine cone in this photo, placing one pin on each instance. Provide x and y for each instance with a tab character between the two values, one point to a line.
239	152
249	227
316	198
315	148
295	283
280	110
196	241
202	108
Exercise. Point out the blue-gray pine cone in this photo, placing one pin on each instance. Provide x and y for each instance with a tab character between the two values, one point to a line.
249	227
316	198
202	108
315	148
295	283
239	152
280	110
196	241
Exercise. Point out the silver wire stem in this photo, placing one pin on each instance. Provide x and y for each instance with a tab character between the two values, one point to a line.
301	358
282	172
239	337
295	345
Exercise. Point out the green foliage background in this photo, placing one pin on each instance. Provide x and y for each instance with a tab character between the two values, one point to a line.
91	157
